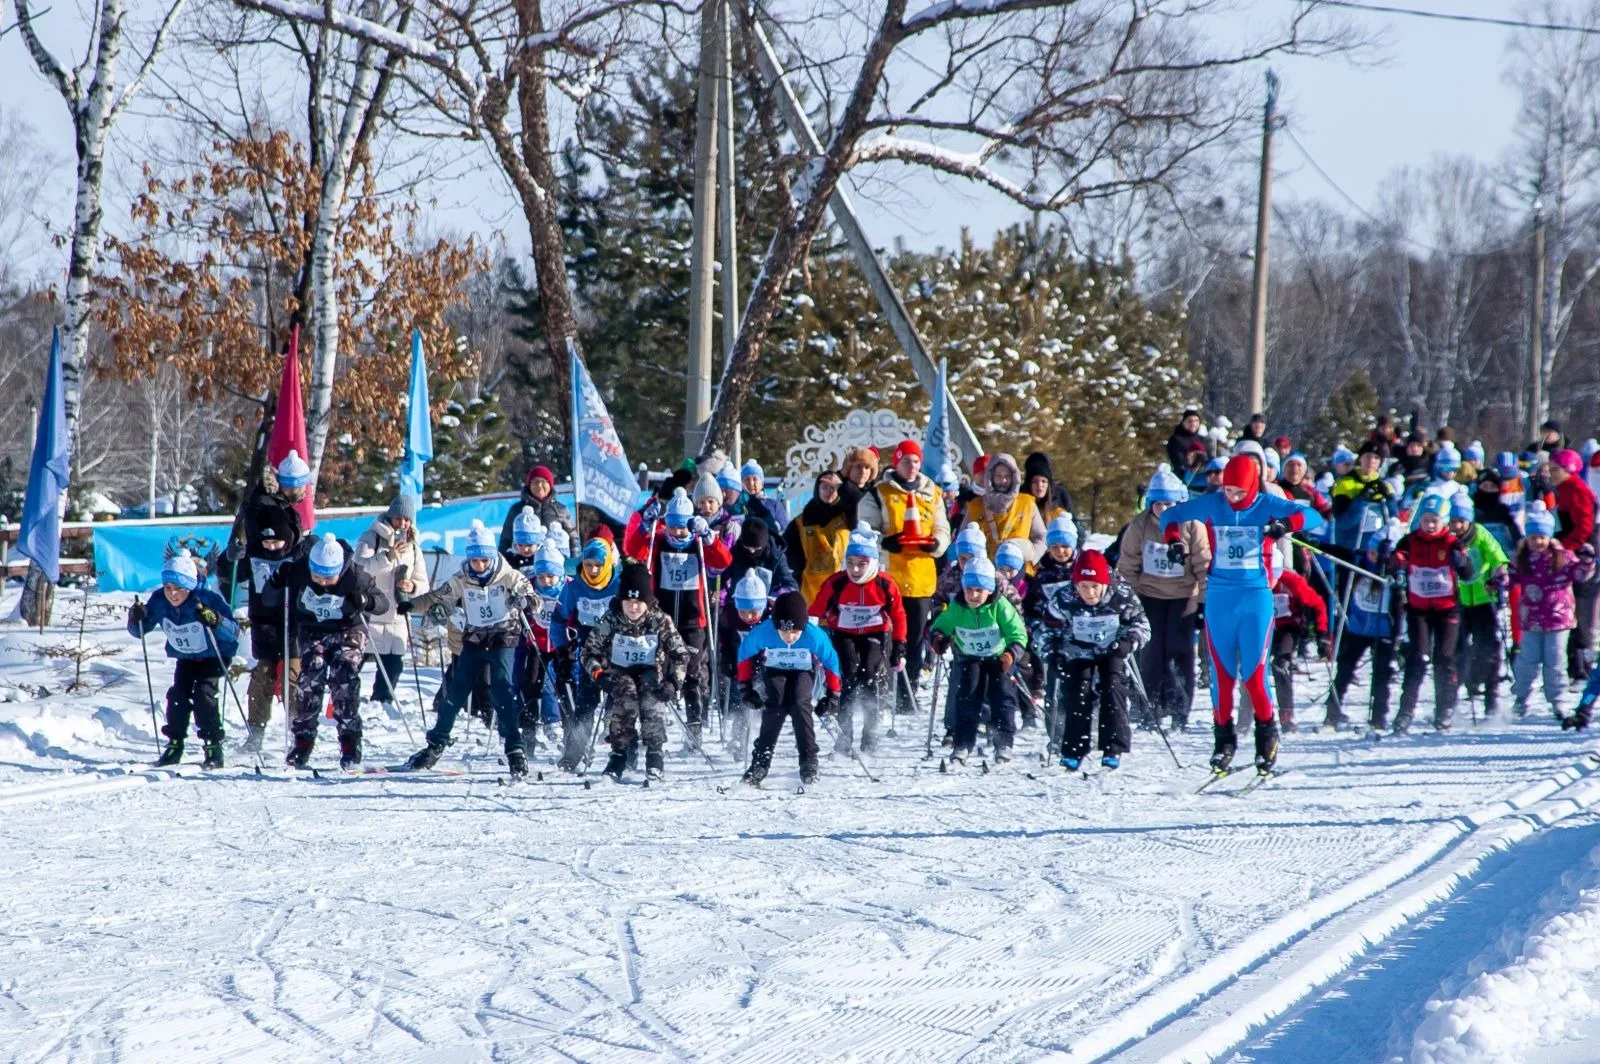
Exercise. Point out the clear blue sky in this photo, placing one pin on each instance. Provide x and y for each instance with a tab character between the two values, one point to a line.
1436	88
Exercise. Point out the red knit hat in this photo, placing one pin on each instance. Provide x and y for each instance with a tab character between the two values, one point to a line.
1091	568
540	472
907	447
979	464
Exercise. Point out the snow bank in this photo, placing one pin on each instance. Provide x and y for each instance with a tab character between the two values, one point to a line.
1538	999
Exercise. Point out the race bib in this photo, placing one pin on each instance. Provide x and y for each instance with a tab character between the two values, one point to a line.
591	610
630	651
1096	629
322	607
979	642
679	572
1238	548
543	610
1280	605
1431	583
1369	596
186	638
261	570
1156	562
485	606
858	617
792	659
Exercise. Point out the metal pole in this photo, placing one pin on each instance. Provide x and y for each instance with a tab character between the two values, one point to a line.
1536	328
1258	290
726	202
697	400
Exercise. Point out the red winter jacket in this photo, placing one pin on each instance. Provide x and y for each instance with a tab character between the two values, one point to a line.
878	599
1432	565
684	602
1293	598
1575	507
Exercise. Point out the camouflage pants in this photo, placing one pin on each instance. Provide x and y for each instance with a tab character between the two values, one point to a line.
263	682
637	709
329	662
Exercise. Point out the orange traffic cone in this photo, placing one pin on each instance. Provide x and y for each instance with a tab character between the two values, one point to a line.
911	528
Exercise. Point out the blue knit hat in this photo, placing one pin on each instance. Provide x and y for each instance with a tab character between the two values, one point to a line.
180	571
863	543
750	593
1062	532
752	468
1505	463
1539	520
293	471
1448	460
1430	503
1165	486
1342	453
679	509
1012	554
1461	508
726	480
327	557
557	537
970	541
528	529
979	573
480	541
550	562
1474	452
596	550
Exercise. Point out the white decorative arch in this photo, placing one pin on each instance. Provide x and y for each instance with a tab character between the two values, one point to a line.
821	449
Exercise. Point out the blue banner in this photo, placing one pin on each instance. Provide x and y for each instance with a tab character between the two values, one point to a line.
601	475
128	554
40	536
419	423
936	440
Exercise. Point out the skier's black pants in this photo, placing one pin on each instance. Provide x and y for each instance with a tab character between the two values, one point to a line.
1116	737
1582	638
1436	631
386	681
1167	662
788	698
194	692
578	720
861	665
1479	652
980	682
1284	641
501	662
919	611
694	680
1351	648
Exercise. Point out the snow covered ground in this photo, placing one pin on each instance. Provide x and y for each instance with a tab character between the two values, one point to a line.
1017	914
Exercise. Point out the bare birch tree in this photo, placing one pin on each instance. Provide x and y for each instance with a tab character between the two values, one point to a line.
94	105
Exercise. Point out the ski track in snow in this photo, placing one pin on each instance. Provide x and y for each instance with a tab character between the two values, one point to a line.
958	916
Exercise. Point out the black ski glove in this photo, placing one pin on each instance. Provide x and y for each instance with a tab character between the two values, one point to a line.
892	543
748	696
208	616
136	612
1277	529
829	705
669	691
1177	554
897	656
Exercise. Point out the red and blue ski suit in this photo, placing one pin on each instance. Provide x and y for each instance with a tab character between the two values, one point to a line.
1239	606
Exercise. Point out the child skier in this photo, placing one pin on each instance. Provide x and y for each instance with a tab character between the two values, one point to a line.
1434	565
1479	649
1372	623
1011	570
271	534
201	636
1243	523
637	657
790	649
1053	573
748	607
329	596
1103	626
491	593
1296	607
584	600
534	660
864	616
989	638
1546	572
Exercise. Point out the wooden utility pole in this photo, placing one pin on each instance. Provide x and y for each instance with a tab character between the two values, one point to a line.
727	163
1536	328
1270	123
703	252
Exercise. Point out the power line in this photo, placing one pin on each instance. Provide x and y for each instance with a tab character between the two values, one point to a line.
1514	242
1444	16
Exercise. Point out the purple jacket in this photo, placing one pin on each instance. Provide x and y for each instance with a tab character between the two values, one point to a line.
1546	581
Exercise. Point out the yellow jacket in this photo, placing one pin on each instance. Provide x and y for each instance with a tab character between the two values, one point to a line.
821	551
883	507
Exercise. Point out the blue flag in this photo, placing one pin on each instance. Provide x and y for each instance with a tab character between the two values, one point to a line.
601	475
39	537
936	440
419	428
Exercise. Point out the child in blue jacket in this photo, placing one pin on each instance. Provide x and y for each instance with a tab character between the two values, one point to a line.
201	637
790	648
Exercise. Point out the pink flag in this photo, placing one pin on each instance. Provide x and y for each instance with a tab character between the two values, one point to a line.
289	428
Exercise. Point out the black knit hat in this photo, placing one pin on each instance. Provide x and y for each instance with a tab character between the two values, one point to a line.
789	612
636	584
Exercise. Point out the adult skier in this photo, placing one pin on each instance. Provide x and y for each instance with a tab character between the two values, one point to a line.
814	543
388	552
1242	526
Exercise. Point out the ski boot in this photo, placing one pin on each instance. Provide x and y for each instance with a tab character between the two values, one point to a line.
1110	762
1266	747
1402	725
300	755
254	740
427	757
214	758
172	755
842	744
528	724
808	772
948	742
617	764
760	761
517	764
1002	754
1225	743
1070	763
655	764
349	752
959	754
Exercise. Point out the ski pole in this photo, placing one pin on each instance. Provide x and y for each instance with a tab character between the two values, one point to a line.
283	680
150	686
833	734
672	704
211	637
411	646
1334	558
933	702
1136	682
705	607
388	681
